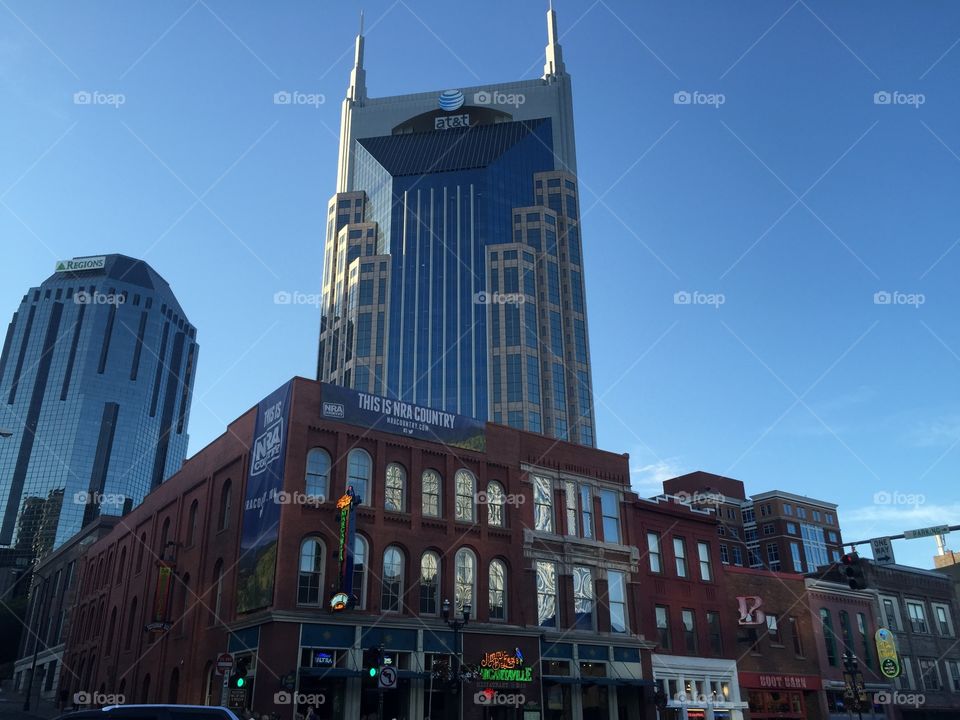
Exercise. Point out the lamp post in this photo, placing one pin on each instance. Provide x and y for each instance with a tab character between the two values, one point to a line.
456	624
852	666
36	642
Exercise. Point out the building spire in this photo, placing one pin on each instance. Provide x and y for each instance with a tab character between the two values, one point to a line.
358	76
554	65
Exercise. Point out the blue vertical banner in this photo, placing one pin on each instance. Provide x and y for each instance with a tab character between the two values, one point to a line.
257	566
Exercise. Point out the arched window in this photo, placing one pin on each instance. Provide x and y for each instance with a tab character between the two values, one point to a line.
431	483
498	590
108	648
465	580
183	606
496	504
174	686
318	474
122	565
143	545
429	583
466	495
226	499
217	598
131	624
359	469
145	689
164	538
360	555
192	523
310	585
392	586
394	496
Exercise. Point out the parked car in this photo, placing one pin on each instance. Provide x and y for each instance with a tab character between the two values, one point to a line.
153	712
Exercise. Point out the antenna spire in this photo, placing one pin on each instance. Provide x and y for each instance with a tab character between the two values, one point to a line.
358	76
554	54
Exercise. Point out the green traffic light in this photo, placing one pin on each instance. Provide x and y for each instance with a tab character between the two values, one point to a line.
241	682
373	672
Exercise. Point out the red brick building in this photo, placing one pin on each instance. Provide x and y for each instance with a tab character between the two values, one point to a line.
528	534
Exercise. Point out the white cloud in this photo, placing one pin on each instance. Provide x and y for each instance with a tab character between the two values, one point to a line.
939	432
646	478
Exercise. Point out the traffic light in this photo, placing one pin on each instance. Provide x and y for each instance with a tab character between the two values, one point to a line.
372	660
853	569
238	679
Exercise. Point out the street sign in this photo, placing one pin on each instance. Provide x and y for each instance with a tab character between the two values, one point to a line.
237	698
887	652
224	663
882	551
387	677
927	532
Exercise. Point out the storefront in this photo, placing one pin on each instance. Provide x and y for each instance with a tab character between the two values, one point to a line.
698	688
838	707
775	695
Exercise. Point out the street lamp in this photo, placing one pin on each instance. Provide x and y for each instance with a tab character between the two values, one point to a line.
36	642
852	666
456	624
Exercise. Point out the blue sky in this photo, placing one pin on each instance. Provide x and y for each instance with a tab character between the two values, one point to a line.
781	199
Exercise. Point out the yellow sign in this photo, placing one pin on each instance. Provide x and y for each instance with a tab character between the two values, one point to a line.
887	653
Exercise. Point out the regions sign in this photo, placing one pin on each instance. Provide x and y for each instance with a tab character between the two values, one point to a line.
402	418
257	567
80	264
887	653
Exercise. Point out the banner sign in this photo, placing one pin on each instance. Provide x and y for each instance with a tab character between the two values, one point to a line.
160	622
402	418
257	566
347	536
887	653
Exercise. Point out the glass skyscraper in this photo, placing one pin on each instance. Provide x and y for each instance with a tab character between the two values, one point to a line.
96	378
453	270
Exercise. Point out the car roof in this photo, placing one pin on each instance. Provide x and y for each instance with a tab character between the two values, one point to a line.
120	709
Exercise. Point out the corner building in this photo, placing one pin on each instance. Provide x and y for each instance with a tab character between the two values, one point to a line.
531	533
453	265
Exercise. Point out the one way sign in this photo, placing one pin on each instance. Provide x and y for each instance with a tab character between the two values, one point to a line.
882	551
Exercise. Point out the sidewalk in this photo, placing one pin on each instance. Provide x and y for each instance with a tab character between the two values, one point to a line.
11	708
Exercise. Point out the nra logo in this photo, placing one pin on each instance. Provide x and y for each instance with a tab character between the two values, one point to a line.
266	448
334	410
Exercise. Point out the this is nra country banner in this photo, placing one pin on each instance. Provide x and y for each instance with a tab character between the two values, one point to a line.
257	567
402	418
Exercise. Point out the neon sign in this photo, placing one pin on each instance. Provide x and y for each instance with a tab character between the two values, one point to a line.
504	666
343	599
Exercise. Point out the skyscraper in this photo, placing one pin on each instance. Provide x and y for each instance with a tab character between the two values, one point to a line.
96	377
453	270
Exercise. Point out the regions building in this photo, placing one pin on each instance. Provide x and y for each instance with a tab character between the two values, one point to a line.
453	267
326	523
96	376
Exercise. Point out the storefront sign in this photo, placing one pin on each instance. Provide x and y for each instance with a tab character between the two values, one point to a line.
505	666
777	681
343	599
750	613
161	598
374	412
323	658
887	653
257	567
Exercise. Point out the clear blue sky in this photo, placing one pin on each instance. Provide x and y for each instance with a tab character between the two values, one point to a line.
797	199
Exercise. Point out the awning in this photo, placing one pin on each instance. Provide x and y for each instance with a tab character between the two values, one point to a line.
412	675
330	673
620	682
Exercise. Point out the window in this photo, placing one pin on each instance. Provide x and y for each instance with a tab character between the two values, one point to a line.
724	554
131	624
610	509
226	499
680	553
143	544
906	677
929	674
191	529
121	566
217	601
764	510
773	556
617	600
430	488
802	513
542	504
816	516
310	584
795	555
814	546
689	630
918	621
359	472
429	583
737	556
496	504
953	674
663	625
653	547
891	615
395	491
392	585
547	594
498	590
828	636
583	599
466	495
714	633
773	629
465	580
829	519
795	633
791	528
768	529
787	509
703	551
942	613
316	484
864	639
360	571
832	537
